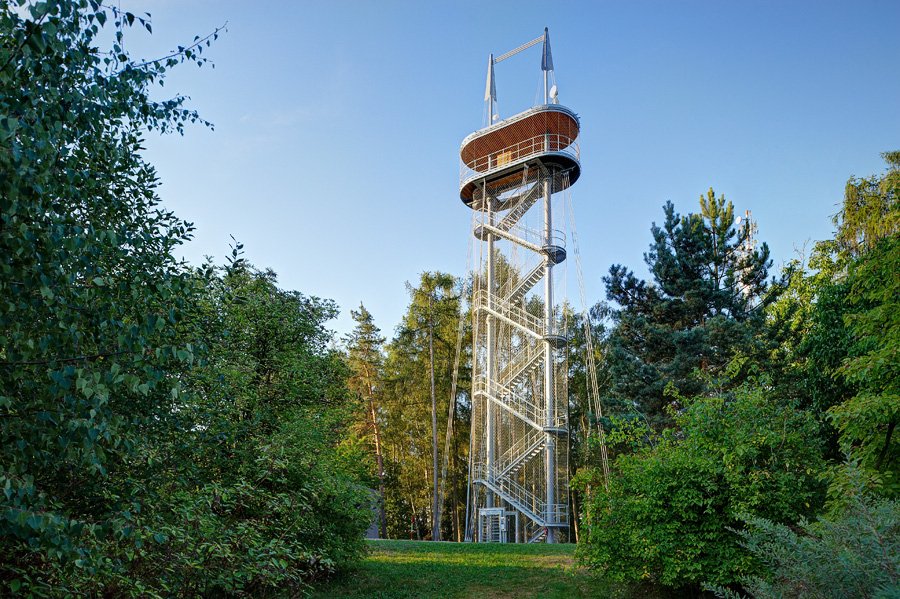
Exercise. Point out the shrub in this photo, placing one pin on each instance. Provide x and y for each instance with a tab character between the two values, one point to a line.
853	554
669	507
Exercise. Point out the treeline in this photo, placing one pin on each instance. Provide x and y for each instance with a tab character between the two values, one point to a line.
405	388
165	430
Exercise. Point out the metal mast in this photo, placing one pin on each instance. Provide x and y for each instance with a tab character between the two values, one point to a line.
518	469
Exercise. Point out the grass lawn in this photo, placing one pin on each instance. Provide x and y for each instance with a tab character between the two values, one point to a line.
425	569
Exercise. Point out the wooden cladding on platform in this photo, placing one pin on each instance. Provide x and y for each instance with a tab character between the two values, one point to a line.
518	136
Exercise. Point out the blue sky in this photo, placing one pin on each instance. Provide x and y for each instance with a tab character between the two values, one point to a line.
337	125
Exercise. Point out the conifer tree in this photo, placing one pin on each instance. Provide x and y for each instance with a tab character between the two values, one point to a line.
365	360
697	313
418	375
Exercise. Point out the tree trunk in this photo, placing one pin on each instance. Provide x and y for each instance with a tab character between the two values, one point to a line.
887	445
574	516
413	521
379	463
436	509
456	502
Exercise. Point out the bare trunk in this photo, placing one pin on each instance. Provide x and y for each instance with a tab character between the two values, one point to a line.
459	533
379	463
413	522
574	496
436	506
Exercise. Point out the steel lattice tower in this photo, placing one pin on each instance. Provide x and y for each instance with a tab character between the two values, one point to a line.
518	467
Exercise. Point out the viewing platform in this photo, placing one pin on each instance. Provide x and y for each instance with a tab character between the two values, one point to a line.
499	156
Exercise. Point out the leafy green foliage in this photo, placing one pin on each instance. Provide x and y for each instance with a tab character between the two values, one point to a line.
852	554
868	238
870	211
269	419
699	312
163	431
867	420
409	445
670	505
92	320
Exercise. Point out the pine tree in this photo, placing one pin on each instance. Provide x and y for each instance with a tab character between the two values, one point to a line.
365	360
699	311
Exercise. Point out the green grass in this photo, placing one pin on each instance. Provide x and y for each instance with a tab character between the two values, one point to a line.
397	569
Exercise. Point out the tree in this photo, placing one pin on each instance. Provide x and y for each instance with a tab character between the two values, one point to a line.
425	344
870	212
428	301
365	359
698	313
584	444
275	491
93	334
852	553
867	421
837	330
869	230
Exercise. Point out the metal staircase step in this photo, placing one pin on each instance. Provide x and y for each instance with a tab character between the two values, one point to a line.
539	536
509	313
521	366
511	402
526	283
523	203
519	461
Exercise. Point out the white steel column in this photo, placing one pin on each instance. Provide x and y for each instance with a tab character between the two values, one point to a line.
491	334
549	417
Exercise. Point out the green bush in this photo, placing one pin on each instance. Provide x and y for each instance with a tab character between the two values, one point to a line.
853	554
667	514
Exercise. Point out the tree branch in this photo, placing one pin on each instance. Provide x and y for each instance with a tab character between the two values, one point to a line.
73	359
180	51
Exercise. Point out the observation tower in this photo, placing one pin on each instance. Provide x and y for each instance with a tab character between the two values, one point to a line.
510	172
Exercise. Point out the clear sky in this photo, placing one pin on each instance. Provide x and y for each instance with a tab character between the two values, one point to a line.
337	125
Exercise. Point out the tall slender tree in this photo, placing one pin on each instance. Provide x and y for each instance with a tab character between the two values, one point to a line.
365	359
430	301
418	378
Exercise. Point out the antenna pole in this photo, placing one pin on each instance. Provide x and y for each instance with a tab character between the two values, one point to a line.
546	89
490	92
546	65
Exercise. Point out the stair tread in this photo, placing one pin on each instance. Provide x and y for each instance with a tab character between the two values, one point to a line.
526	201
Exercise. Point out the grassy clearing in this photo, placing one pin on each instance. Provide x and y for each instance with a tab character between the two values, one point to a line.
396	569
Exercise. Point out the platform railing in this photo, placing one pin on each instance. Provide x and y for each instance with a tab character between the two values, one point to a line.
528	148
482	300
532	238
513	402
516	495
